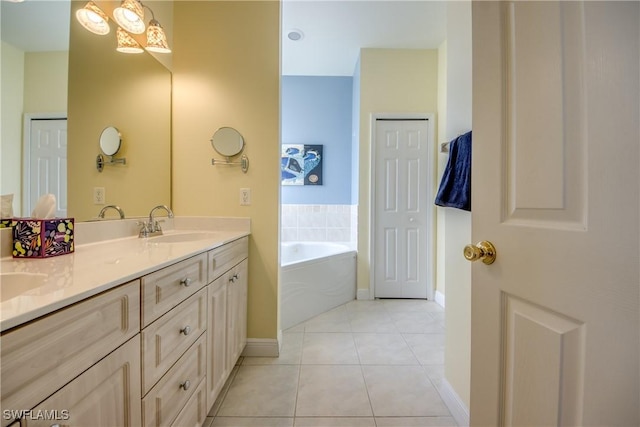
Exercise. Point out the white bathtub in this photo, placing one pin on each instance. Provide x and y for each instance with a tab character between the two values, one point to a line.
315	277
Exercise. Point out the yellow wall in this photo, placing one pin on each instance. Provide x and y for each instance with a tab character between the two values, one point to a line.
132	93
391	81
45	82
11	85
457	223
226	73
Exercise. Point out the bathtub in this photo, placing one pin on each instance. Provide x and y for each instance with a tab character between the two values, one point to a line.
314	277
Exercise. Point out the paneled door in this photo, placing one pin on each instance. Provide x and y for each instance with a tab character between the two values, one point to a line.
555	324
46	163
402	218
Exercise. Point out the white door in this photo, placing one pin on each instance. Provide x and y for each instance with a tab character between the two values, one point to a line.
555	324
401	218
46	163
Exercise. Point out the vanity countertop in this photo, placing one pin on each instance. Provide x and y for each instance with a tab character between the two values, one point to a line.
97	267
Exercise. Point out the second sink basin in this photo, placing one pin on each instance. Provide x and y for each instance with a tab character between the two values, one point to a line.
15	284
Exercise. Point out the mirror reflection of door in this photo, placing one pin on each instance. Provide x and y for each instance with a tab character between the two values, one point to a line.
45	155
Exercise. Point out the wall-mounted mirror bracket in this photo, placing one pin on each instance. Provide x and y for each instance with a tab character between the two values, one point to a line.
229	142
243	163
101	161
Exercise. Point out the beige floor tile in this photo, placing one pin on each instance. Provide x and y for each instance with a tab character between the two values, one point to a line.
332	391
365	305
259	391
417	323
329	349
402	391
415	422
334	422
372	321
405	305
383	349
428	348
252	422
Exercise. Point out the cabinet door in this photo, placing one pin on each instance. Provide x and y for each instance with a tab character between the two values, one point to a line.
236	312
39	358
217	371
107	394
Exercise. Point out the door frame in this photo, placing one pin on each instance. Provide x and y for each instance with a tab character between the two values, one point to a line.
430	213
26	152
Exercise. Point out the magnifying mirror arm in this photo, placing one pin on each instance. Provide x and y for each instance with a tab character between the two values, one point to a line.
243	163
102	161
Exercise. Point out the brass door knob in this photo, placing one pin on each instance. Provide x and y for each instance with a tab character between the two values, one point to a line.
483	250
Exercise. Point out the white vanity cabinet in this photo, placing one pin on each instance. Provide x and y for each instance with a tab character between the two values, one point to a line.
41	357
227	311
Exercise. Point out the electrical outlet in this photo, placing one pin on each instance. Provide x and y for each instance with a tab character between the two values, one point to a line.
99	197
245	196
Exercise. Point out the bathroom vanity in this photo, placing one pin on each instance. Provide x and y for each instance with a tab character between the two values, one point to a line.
147	335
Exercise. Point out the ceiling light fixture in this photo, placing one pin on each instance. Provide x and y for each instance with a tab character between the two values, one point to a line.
130	16
93	19
126	43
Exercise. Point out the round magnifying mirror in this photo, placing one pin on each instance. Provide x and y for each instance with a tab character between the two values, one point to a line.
110	141
227	141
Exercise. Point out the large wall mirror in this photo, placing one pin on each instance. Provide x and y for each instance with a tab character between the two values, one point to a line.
103	88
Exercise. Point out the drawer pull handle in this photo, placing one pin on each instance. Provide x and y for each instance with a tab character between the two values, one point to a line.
185	385
186	281
186	330
233	278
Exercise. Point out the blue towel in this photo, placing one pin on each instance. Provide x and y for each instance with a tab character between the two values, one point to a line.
455	187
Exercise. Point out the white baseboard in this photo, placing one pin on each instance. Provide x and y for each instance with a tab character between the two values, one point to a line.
262	347
440	298
363	294
458	409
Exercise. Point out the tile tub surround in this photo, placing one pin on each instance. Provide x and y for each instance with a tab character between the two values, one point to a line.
319	223
100	264
361	364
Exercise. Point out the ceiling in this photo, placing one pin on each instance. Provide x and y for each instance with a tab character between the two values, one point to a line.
35	26
333	30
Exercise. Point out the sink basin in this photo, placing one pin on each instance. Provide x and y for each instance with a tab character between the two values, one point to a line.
181	237
15	284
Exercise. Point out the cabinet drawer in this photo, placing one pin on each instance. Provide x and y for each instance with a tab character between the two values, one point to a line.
167	398
166	339
223	258
39	358
106	395
164	289
194	412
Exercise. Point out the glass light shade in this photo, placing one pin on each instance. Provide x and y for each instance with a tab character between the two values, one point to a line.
93	19
156	38
126	43
130	16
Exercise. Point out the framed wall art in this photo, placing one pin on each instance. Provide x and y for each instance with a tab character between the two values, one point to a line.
301	164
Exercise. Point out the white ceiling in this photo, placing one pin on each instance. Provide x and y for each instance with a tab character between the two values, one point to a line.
334	30
34	25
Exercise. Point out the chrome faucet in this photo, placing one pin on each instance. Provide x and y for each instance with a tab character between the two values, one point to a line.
114	207
152	228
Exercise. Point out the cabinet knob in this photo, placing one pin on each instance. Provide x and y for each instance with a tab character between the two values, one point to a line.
186	330
186	281
185	385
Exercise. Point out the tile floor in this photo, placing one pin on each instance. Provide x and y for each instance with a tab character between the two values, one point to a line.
363	364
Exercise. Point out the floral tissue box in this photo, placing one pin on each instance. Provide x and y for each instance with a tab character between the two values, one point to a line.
42	238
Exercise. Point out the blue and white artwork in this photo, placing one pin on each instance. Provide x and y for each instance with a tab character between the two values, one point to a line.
301	164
